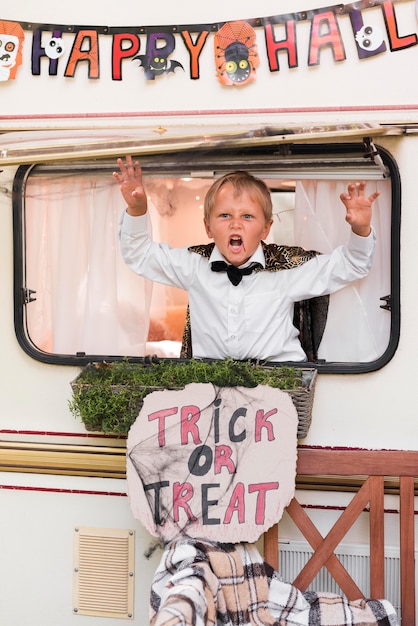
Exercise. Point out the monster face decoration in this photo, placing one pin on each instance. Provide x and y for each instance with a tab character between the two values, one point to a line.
11	44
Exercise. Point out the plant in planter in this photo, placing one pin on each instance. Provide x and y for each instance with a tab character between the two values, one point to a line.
108	396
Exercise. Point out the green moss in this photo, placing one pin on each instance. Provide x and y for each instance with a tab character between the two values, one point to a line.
108	396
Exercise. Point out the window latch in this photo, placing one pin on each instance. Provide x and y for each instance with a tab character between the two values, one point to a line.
371	152
28	295
388	300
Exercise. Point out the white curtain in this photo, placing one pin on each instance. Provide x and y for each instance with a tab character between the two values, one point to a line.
357	328
87	300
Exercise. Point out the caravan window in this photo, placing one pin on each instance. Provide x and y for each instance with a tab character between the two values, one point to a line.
76	301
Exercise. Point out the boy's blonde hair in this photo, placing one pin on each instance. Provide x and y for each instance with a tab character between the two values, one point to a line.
241	181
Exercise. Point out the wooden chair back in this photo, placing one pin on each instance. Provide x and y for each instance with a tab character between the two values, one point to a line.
373	466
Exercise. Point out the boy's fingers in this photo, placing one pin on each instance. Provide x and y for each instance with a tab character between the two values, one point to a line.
129	171
137	170
356	189
360	188
373	196
345	197
121	166
351	191
124	168
132	169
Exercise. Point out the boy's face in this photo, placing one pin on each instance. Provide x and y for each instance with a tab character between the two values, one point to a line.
237	225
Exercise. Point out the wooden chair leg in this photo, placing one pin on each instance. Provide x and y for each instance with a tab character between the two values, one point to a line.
377	538
271	546
407	549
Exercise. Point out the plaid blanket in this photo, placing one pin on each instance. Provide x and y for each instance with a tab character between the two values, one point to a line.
202	583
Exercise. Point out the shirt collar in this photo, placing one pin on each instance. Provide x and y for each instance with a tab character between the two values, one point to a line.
257	257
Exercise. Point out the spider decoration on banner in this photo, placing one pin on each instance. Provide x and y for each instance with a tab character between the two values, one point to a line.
236	54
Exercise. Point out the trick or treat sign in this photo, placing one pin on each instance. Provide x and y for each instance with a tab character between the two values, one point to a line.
213	463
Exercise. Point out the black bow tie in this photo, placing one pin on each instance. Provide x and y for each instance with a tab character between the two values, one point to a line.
235	274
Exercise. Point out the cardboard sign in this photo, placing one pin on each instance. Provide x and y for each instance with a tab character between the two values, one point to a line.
210	462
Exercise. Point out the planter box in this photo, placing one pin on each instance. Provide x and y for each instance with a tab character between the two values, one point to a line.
108	397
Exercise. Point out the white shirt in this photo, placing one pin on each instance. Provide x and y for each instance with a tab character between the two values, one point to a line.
253	320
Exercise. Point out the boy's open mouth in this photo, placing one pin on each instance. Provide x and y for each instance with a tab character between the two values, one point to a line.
235	242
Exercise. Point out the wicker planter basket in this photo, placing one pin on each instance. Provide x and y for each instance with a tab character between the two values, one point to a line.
103	416
303	401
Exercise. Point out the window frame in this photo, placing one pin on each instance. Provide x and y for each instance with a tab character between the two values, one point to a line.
219	161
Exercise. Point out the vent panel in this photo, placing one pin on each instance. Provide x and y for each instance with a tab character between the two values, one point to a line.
103	578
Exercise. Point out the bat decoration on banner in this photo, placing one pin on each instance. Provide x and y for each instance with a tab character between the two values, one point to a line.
155	61
236	54
11	44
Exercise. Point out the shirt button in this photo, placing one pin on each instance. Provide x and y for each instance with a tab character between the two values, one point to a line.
232	336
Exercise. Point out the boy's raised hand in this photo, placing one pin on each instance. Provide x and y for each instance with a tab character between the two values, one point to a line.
359	208
130	185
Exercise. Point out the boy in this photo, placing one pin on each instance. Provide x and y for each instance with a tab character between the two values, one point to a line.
242	315
237	310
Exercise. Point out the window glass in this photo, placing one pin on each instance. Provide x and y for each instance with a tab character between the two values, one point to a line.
80	302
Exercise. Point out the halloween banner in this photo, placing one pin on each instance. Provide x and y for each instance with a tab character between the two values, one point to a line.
62	49
211	462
